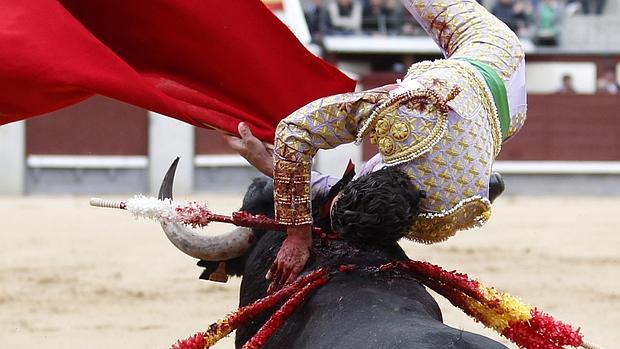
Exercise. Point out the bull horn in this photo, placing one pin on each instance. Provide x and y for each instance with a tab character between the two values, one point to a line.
189	241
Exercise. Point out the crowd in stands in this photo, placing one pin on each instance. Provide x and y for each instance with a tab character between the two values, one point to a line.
605	84
538	20
355	17
608	83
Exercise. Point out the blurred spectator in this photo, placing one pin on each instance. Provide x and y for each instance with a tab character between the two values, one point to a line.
523	12
588	5
345	16
377	18
318	20
548	17
513	13
607	83
567	85
405	23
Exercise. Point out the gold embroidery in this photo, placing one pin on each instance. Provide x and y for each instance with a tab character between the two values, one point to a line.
400	130
292	192
387	116
430	228
462	29
386	146
382	127
516	123
473	81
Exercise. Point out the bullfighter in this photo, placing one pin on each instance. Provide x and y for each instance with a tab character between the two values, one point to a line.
442	126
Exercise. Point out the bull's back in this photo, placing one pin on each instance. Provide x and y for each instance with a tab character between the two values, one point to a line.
365	311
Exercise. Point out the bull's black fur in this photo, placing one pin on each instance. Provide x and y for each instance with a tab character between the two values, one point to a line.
361	309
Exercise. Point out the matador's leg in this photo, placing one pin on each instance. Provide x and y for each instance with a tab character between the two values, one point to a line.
465	29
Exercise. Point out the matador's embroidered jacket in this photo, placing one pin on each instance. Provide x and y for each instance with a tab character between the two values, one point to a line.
440	124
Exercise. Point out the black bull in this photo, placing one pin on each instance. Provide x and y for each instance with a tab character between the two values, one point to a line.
360	309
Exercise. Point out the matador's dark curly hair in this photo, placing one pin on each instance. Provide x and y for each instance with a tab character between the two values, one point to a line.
377	208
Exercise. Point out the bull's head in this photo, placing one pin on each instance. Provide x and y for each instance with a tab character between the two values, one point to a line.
227	254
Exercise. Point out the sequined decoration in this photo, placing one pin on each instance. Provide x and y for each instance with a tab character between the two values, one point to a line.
516	122
476	98
445	141
402	137
463	28
430	228
322	124
292	193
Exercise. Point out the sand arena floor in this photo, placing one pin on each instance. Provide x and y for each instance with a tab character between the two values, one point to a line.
72	276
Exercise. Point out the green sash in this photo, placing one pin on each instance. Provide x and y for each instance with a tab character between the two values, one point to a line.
498	90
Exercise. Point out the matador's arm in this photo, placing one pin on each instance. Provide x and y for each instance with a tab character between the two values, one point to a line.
322	124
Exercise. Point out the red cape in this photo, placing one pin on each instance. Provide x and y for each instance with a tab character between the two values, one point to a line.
206	62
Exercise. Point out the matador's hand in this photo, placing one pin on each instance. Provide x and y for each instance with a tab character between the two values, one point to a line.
291	258
253	150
